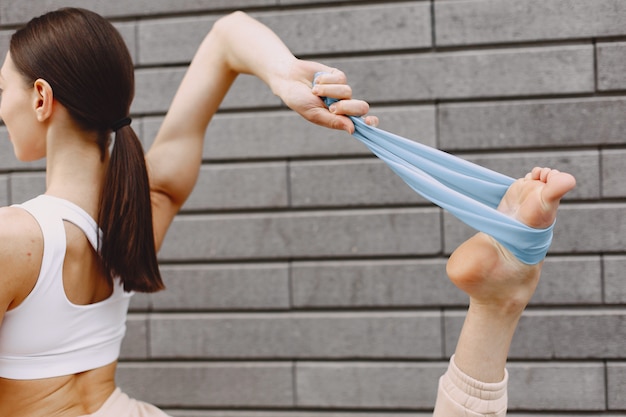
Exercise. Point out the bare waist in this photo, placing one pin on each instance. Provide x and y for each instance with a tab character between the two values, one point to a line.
63	396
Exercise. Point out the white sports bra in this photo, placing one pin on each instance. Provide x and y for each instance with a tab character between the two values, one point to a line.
47	335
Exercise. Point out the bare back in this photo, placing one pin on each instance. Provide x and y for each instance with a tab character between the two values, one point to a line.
84	283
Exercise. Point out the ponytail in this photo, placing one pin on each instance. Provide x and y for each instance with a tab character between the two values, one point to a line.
95	91
125	217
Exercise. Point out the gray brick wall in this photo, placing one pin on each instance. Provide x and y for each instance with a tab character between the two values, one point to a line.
304	279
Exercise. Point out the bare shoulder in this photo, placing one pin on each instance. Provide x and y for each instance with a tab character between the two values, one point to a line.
21	251
17	225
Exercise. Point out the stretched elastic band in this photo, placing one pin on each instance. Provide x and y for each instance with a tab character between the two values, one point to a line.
468	191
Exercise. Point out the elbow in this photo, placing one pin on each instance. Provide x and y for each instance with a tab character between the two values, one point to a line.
230	20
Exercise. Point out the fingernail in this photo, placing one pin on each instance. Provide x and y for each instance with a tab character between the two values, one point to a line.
315	89
332	108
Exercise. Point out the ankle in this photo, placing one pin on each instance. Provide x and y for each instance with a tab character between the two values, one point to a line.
504	310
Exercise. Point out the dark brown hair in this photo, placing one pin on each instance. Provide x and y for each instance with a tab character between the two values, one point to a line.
87	64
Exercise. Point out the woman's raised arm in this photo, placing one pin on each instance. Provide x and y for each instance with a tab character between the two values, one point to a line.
237	44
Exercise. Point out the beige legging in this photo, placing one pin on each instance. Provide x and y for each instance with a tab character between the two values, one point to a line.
460	395
120	405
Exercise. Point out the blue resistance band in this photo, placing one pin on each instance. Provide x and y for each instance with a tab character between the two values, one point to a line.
468	191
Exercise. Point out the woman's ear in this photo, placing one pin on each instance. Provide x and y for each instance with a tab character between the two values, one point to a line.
42	100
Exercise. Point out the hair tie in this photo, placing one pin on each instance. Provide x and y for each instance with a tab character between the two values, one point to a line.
115	126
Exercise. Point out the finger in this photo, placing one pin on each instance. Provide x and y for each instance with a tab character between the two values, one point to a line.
333	76
350	107
322	117
371	120
338	91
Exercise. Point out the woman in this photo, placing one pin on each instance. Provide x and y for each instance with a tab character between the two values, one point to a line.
67	86
72	257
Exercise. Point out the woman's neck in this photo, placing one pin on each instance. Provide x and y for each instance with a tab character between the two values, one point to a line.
74	169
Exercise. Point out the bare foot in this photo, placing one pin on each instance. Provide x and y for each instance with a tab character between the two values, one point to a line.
488	272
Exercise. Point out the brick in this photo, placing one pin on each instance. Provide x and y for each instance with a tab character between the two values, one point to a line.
418	123
135	343
128	31
564	281
570	280
531	71
496	21
368	284
304	234
322	256
301	335
611	60
5	39
155	89
222	287
558	334
532	124
4	190
476	74
314	31
173	40
284	134
616	382
533	386
240	186
309	2
613	173
578	414
18	12
367	385
138	126
389	26
140	302
25	186
557	386
354	182
197	384
614	283
279	134
601	226
580	228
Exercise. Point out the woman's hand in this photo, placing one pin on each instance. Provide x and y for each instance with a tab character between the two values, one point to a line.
300	93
